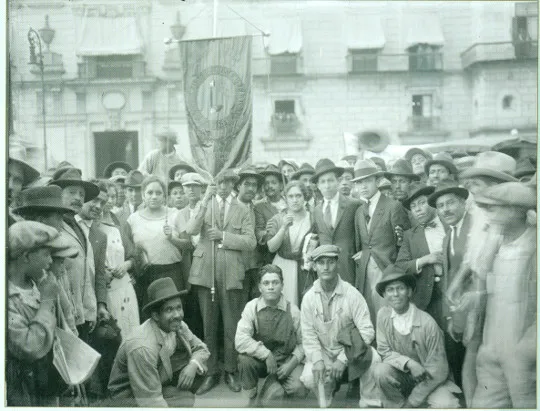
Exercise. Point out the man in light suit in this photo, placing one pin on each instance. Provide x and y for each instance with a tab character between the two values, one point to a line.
334	217
379	222
231	234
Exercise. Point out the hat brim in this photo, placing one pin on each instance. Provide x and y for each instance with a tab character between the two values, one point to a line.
29	173
173	184
459	191
260	179
486	172
91	190
377	174
450	166
331	255
427	191
338	170
177	167
274	173
411	152
151	304
107	173
296	175
406	278
389	175
38	207
70	252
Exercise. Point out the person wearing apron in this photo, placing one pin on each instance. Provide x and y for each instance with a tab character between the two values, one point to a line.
269	341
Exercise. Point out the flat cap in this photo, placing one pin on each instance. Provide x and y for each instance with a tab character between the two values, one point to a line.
508	194
28	235
326	250
193	179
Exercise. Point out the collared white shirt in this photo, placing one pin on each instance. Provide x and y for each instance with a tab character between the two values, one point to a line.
84	224
334	205
228	201
455	232
373	201
434	239
403	322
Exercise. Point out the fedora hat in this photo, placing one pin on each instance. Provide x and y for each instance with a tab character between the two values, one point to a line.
464	163
525	167
290	162
182	165
193	179
161	290
415	150
492	164
417	189
402	168
17	155
167	134
248	171
364	169
272	170
384	183
324	166
134	179
379	162
71	176
107	172
394	273
305	168
508	194
447	187
42	198
443	159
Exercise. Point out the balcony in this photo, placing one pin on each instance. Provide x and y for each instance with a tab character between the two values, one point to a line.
104	67
358	63
421	123
500	51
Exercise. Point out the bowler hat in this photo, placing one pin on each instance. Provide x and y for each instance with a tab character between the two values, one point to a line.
364	169
415	150
304	169
107	172
379	162
443	159
167	134
248	171
326	250
17	155
394	273
508	194
27	235
190	179
182	165
403	168
447	187
493	164
324	166
161	290
272	170
42	198
71	176
417	189
173	184
525	167
134	179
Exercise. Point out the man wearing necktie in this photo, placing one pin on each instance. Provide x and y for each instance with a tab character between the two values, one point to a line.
421	252
450	201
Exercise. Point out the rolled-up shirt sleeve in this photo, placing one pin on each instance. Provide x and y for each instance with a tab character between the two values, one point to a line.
310	341
244	341
144	378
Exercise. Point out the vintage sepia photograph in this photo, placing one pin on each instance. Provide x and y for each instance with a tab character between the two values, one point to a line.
271	204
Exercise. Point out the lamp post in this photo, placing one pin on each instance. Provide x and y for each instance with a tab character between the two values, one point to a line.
33	39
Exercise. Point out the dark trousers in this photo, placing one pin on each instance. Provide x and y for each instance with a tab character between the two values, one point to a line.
228	306
455	353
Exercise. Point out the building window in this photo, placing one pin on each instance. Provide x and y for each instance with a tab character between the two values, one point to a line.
507	102
114	66
422	111
81	103
54	104
363	61
425	57
284	118
284	64
147	101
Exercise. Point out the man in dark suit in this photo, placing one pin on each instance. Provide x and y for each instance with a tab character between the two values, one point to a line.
231	233
334	217
379	222
132	185
421	252
450	201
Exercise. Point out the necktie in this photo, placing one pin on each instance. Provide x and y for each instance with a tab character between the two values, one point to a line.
431	224
222	213
366	212
328	215
453	236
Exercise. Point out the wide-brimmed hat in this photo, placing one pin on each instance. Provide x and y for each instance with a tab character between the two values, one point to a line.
384	183
394	273
326	250
134	179
107	172
193	179
161	290
167	134
288	161
172	184
417	189
525	167
71	176
226	175
508	194
249	171
380	162
416	150
17	155
492	164
42	198
182	165
272	170
27	235
443	159
351	158
447	187
118	179
464	163
304	169
324	166
403	168
364	169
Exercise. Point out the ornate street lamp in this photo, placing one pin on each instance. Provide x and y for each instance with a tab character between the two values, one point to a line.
33	39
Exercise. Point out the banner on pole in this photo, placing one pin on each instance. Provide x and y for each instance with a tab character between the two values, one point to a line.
218	99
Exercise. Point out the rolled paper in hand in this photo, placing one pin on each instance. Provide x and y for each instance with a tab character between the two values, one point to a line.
322	395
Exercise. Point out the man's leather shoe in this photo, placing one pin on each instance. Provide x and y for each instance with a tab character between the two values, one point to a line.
232	382
209	382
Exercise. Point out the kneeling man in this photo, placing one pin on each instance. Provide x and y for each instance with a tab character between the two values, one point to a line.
269	341
160	363
414	369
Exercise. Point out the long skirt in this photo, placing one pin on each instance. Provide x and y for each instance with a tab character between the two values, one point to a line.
294	279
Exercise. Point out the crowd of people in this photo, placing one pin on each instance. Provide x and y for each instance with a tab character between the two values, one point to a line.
410	284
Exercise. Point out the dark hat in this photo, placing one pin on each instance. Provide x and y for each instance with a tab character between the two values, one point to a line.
508	194
443	159
172	184
17	155
394	273
415	150
107	172
272	170
179	166
167	134
493	164
248	171
42	198
364	169
227	174
464	163
64	164
134	179
403	168
446	187
525	167
379	161
304	169
292	163
71	176
417	189
384	183
324	166
350	158
118	179
326	250
162	290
